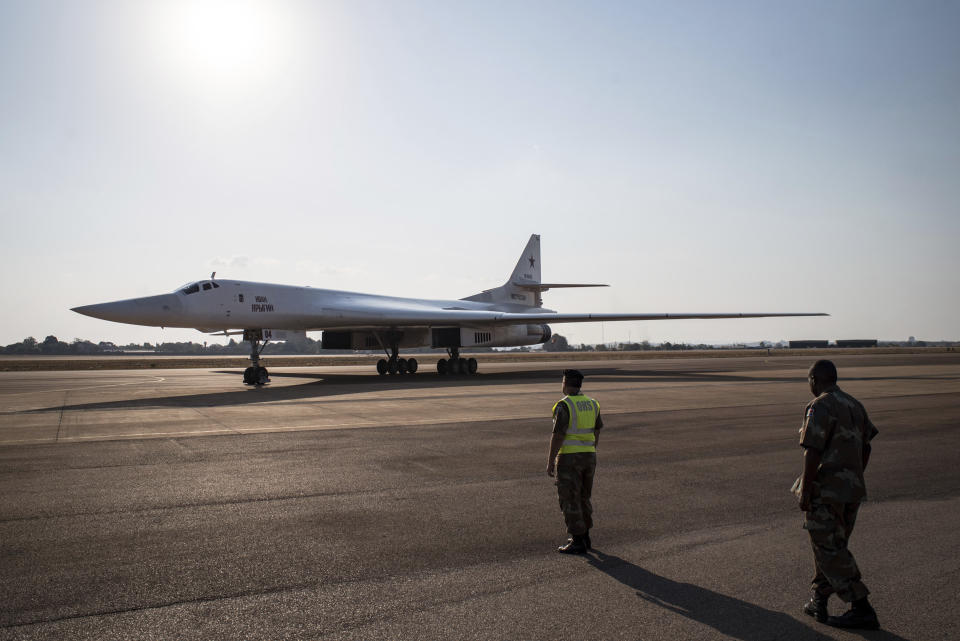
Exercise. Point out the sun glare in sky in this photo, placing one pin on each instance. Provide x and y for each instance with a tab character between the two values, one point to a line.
409	148
222	44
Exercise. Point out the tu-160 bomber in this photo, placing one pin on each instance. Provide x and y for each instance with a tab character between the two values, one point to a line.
511	315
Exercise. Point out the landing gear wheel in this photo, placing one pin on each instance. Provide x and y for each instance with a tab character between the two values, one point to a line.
402	365
456	366
382	366
471	366
255	375
412	365
392	366
442	366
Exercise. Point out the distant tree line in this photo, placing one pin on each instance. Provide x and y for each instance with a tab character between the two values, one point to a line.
51	345
559	343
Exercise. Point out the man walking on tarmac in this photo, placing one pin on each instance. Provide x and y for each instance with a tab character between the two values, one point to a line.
835	437
573	457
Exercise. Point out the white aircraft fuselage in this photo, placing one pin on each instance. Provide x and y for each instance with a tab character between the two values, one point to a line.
221	305
509	315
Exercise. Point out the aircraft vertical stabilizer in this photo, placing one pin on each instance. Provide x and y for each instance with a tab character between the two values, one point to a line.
527	270
522	288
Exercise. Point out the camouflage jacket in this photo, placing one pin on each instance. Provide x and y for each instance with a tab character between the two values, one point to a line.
836	425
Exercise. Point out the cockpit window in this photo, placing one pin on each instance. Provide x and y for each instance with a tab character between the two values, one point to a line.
215	285
206	286
192	288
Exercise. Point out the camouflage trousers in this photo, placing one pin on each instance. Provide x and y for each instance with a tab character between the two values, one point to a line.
830	526
574	487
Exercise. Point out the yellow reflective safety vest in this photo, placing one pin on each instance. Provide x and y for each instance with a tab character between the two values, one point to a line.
580	435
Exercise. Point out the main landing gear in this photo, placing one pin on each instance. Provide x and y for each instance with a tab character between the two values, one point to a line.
255	374
456	365
396	365
393	364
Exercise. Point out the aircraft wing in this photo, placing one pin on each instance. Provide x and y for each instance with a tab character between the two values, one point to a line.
586	318
426	315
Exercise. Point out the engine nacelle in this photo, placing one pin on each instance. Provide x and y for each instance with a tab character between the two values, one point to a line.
439	337
499	336
368	340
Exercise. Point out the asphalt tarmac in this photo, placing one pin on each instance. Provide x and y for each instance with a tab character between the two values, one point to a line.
336	504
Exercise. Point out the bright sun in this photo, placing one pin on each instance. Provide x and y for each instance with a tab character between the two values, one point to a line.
221	43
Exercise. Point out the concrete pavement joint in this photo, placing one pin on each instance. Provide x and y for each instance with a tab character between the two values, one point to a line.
60	419
210	418
161	606
445	483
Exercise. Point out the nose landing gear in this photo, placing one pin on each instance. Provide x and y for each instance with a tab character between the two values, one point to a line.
255	374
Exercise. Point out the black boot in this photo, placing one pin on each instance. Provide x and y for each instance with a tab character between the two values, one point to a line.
574	545
817	607
861	616
586	540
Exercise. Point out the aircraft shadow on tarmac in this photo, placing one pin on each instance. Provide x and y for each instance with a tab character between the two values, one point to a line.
729	616
322	385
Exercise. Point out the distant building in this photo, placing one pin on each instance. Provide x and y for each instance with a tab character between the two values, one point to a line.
808	344
857	342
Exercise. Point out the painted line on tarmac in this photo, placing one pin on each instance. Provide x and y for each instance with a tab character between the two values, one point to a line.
156	379
272	430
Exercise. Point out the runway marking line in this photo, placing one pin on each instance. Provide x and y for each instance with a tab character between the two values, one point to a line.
156	379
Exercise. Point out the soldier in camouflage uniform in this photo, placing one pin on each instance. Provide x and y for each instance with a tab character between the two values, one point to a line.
835	436
576	431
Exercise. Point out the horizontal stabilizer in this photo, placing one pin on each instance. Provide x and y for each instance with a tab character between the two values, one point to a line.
542	287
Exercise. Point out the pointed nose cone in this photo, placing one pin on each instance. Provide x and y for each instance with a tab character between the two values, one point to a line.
160	311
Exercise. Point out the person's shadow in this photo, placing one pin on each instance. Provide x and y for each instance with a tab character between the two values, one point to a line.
727	615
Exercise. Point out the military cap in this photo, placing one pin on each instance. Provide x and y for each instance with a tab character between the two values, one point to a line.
574	377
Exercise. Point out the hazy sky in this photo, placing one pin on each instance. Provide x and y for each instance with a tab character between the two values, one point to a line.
699	157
